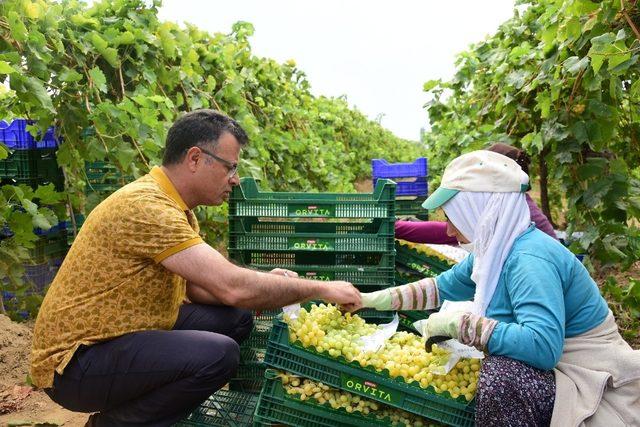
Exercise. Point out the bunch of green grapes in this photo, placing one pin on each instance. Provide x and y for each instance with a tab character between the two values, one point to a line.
305	389
403	355
326	329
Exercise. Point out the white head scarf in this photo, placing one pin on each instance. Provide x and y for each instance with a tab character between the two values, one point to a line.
492	222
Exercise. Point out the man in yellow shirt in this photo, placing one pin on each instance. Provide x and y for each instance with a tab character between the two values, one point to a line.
113	335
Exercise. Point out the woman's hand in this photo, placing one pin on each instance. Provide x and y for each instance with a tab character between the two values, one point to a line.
442	324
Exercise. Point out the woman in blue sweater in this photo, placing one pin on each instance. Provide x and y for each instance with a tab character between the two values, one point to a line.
553	351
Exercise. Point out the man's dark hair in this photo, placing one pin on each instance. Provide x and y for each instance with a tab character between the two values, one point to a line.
196	129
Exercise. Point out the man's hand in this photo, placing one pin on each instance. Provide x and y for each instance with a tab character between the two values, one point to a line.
341	293
283	272
352	307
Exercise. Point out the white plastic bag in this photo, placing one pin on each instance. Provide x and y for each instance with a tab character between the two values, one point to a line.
375	341
292	311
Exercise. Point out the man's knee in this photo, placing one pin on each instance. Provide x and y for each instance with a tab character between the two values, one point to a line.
222	356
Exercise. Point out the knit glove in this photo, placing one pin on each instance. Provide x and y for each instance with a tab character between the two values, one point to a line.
467	328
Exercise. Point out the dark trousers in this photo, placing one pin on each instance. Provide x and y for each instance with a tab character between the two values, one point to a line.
155	378
512	393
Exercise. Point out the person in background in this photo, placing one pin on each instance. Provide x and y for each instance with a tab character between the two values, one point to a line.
114	335
436	231
553	352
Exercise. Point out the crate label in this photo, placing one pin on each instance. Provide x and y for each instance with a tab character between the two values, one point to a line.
312	275
312	210
310	244
421	268
369	388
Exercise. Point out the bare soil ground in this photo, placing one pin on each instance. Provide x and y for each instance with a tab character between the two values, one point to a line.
20	404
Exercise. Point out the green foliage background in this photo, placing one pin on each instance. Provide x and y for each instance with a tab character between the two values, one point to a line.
560	80
116	69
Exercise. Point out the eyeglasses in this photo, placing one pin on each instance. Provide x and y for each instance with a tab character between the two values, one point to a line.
232	167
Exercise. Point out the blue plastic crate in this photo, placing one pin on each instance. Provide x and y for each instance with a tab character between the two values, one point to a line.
568	240
41	275
58	228
16	136
418	188
37	276
61	226
380	168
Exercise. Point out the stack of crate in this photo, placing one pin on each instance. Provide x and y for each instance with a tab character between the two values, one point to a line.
412	187
102	177
224	408
321	236
32	162
424	406
411	192
415	261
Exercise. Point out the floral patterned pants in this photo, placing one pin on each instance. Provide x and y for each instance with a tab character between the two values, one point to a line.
512	393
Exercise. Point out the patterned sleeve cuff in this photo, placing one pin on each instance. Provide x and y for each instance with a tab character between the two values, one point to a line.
476	330
420	295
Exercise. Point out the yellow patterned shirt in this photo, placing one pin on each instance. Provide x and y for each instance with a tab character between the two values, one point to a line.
111	282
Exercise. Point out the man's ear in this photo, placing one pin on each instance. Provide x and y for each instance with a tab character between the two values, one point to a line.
192	158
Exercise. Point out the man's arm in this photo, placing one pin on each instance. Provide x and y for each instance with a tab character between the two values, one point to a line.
199	295
235	286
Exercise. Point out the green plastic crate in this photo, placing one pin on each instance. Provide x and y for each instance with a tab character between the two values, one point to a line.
253	233
408	317
412	207
47	167
32	167
277	407
257	339
19	164
264	259
367	271
414	260
103	176
247	200
250	373
225	408
48	247
364	381
248	378
375	316
404	275
366	277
